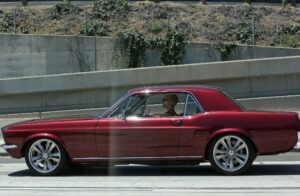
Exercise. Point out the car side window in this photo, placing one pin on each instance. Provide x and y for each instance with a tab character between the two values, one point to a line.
191	107
156	104
165	104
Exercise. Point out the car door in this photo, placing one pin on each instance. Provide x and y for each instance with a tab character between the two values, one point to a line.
140	133
195	129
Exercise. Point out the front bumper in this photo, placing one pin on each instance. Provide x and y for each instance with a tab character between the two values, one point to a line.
11	150
7	147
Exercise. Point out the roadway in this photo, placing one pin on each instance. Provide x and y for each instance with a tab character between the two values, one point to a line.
271	175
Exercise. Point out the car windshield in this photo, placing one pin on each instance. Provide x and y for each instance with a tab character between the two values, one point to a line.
101	114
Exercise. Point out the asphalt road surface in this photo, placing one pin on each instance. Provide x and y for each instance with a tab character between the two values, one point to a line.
271	175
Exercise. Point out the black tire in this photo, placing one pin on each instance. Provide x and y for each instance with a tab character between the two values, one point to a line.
60	165
242	167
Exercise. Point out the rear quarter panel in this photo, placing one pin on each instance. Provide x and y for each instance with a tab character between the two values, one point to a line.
271	132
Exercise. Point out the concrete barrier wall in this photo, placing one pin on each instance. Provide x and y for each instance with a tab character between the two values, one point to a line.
274	103
242	79
33	55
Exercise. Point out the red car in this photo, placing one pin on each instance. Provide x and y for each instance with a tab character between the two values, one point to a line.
156	125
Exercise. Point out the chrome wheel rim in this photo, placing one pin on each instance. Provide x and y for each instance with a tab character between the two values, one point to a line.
44	155
231	153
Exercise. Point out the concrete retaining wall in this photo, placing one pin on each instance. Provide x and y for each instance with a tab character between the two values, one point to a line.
33	55
42	55
204	52
242	79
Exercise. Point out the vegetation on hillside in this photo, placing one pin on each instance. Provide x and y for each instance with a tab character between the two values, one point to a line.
237	24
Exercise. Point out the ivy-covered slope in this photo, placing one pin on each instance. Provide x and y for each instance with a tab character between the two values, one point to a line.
240	23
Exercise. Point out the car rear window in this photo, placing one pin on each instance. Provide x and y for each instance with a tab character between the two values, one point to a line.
238	104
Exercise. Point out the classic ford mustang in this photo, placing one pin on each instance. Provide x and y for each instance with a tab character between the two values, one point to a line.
156	125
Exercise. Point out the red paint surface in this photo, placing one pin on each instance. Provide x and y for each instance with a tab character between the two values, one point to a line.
271	132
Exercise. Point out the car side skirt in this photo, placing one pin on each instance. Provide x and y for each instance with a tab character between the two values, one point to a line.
87	159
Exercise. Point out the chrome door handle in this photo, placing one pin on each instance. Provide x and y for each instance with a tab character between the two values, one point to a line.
177	122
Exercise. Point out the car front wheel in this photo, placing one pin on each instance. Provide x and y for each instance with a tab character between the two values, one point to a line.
45	157
231	154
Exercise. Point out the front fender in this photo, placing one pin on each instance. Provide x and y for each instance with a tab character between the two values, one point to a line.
41	135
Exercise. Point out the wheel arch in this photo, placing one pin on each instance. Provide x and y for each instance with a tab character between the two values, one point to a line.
222	132
34	137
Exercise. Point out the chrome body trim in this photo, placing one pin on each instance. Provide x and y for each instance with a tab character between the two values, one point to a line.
186	102
6	147
137	158
197	103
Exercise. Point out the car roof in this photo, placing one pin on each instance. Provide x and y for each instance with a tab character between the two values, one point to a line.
173	88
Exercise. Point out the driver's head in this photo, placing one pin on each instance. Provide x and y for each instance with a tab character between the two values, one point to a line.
170	101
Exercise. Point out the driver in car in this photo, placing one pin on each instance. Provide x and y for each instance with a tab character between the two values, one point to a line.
169	102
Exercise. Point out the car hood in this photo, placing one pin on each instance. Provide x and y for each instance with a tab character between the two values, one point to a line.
50	120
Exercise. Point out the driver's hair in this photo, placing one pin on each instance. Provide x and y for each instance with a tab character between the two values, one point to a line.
173	97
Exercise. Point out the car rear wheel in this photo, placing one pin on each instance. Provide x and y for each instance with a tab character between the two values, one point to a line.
231	154
45	157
